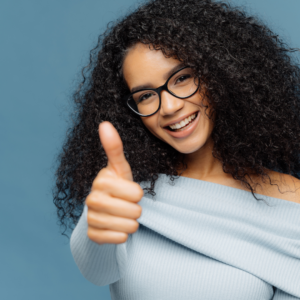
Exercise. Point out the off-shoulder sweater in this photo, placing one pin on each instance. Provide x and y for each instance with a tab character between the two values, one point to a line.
199	240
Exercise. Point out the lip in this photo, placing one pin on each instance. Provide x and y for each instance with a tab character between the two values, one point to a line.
187	131
180	119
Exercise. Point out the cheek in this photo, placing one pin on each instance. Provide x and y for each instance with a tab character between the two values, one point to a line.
198	99
151	124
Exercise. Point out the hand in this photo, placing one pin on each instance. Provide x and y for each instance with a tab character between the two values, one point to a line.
112	203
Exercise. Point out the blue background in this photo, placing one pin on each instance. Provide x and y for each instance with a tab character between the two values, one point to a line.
44	45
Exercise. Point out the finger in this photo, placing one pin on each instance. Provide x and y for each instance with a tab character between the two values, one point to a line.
101	236
100	202
118	187
105	221
113	148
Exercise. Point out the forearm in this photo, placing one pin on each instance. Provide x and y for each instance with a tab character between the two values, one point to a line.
98	263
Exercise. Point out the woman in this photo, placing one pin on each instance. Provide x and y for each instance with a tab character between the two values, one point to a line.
193	104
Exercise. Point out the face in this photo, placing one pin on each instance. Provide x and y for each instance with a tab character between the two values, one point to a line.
144	66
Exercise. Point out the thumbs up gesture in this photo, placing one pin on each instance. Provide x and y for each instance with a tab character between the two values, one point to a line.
112	203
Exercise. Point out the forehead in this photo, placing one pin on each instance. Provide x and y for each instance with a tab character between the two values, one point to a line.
142	64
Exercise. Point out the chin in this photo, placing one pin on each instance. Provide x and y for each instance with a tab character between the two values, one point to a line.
188	150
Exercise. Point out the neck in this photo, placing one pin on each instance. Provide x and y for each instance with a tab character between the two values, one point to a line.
202	165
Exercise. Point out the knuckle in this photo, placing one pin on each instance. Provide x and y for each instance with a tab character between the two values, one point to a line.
90	218
90	199
138	191
106	173
94	199
138	211
141	193
100	183
96	219
124	238
134	226
91	233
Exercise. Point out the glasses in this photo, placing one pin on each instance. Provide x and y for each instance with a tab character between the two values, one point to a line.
146	102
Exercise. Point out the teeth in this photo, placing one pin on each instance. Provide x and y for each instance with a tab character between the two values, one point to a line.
183	122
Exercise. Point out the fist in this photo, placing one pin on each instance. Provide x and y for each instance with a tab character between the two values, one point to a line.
112	203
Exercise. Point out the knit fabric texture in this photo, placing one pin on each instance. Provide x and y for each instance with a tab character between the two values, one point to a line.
199	240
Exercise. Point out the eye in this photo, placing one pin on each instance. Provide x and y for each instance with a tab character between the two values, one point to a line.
145	97
182	78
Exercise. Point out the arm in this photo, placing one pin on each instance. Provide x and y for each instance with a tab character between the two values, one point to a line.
100	264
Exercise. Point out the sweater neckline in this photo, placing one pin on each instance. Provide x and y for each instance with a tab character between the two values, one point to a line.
221	189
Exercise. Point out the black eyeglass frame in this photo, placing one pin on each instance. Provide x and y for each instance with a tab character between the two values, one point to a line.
158	90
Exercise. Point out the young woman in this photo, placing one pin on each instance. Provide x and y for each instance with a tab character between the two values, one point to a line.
189	110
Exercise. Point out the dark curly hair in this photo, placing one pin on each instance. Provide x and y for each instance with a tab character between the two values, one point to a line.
253	84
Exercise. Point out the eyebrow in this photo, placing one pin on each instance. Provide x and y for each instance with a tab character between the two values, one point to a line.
166	76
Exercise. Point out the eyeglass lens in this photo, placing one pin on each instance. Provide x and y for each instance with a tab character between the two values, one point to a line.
181	84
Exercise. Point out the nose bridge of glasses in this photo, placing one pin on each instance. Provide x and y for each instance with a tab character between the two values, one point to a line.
166	89
169	103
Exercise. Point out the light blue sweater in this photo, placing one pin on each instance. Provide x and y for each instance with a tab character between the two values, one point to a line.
199	240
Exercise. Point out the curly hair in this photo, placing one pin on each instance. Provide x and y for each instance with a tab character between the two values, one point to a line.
253	86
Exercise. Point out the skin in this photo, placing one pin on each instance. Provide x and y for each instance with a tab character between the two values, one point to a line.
143	65
112	202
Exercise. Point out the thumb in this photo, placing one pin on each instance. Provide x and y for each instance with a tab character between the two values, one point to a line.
113	147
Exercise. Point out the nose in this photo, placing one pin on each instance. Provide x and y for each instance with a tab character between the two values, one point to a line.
170	104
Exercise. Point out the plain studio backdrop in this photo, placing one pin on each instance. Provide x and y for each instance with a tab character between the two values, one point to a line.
44	45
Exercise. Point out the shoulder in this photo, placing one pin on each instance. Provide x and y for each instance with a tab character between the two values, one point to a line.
288	187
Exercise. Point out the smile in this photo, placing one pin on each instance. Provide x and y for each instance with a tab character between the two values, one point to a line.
184	123
185	127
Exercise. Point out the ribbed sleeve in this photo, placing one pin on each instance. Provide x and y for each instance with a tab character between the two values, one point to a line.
100	264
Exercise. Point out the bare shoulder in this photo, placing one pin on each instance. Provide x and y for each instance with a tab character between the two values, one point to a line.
288	187
283	186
